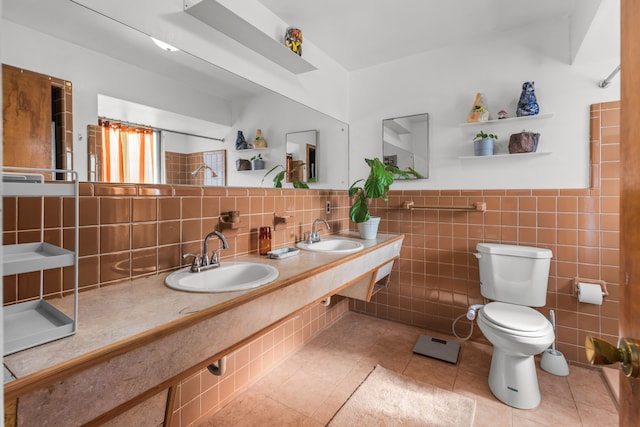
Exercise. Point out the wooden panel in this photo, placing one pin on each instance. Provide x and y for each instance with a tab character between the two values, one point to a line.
26	117
630	199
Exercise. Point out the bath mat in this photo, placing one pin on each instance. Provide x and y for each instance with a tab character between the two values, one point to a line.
386	398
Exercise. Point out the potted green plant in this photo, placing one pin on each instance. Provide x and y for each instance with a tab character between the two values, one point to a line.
376	185
483	144
277	179
257	162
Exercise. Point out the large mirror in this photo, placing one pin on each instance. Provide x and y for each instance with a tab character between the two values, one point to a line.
405	143
119	75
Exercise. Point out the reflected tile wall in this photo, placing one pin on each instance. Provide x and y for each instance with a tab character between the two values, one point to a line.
436	278
128	231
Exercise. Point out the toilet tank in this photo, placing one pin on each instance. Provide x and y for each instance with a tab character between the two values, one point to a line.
514	274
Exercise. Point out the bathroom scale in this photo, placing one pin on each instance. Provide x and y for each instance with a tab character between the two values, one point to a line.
437	348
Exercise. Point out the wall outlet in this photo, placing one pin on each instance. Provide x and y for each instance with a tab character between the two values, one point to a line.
327	207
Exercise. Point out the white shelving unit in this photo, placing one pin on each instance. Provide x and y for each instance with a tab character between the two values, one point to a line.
489	127
511	156
31	323
507	121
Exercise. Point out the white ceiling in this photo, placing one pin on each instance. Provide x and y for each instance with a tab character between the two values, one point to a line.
362	33
356	33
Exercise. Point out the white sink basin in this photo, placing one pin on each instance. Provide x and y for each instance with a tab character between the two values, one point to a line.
334	246
230	276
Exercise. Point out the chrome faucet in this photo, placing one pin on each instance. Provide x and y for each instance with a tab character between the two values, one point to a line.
202	263
315	234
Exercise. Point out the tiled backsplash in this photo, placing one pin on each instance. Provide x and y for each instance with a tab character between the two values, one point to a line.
128	231
437	278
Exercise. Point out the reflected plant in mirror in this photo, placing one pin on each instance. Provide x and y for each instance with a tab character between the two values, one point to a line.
290	174
405	144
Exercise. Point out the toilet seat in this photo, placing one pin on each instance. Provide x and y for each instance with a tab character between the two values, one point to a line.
515	319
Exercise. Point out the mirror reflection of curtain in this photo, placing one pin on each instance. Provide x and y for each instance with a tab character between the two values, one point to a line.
128	153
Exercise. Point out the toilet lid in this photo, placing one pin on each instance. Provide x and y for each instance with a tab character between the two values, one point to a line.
515	317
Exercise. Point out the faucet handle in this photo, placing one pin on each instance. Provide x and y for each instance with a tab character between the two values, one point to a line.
197	261
307	237
215	257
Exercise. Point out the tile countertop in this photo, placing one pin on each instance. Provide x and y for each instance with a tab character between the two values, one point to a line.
114	318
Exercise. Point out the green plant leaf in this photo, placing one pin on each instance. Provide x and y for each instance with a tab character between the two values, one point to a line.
277	180
280	176
269	172
412	171
353	190
359	211
299	184
378	181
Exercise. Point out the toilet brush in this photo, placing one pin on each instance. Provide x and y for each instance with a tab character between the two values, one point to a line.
553	361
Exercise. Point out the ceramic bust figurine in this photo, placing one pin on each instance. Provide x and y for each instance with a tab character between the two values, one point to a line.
527	106
259	142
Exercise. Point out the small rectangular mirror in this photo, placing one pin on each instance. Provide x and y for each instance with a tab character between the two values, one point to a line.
405	144
301	156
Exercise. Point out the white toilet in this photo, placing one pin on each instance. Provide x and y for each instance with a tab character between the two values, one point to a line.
515	279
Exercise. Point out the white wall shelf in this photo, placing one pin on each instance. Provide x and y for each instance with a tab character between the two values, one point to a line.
509	120
251	149
512	156
224	20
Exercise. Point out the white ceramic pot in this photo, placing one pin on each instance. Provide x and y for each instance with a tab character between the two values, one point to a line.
369	229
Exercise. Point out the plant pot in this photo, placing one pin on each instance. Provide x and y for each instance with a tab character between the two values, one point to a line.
369	230
257	164
483	147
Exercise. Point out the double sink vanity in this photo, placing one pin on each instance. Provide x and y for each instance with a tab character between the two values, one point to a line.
139	338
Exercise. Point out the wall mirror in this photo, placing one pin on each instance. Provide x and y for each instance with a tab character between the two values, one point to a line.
176	92
405	143
301	155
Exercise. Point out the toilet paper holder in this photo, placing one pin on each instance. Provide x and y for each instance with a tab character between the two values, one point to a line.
602	283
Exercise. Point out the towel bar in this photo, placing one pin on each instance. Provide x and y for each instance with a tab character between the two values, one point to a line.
477	206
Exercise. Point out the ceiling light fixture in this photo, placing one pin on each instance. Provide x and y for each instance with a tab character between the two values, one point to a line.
164	46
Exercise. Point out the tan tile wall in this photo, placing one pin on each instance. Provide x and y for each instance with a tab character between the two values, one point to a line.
437	275
202	393
128	231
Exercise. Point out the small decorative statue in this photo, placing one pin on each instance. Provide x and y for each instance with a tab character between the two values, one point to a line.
241	143
259	142
479	112
527	106
502	114
293	40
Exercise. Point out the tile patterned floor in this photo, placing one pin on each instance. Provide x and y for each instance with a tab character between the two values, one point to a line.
311	385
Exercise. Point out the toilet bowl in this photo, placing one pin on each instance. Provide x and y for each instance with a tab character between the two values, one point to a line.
517	334
515	279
